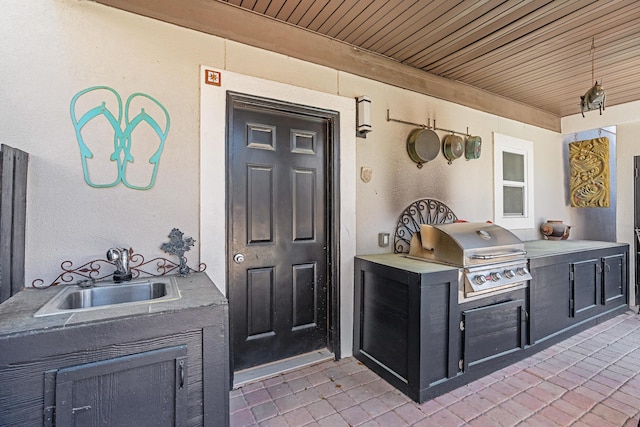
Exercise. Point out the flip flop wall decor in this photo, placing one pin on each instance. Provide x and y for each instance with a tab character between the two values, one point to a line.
143	115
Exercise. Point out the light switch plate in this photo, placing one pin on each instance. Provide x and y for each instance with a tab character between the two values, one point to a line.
383	239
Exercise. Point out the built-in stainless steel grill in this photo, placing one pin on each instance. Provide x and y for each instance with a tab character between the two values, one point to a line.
490	258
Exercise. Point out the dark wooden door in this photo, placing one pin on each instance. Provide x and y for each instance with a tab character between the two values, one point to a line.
493	331
636	223
613	279
144	389
278	231
551	298
586	279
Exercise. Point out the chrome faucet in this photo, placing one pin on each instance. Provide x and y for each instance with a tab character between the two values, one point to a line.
120	257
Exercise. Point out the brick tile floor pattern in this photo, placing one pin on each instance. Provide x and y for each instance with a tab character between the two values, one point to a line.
591	379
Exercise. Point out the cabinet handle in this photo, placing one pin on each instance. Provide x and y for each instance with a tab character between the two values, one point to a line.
181	367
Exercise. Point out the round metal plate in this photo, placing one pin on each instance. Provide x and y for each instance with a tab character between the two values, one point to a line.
423	145
453	147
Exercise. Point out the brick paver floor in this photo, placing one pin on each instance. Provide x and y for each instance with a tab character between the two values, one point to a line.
591	379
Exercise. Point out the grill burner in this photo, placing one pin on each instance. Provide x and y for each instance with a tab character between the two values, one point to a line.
491	259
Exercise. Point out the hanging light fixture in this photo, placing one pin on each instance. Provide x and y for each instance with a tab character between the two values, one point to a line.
594	98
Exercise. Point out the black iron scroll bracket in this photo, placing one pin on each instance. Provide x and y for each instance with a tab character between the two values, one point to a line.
96	270
423	211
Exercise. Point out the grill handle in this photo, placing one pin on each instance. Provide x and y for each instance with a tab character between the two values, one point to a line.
494	256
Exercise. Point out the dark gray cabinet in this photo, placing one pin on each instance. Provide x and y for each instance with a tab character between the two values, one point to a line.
411	330
493	331
165	364
585	279
147	388
406	325
570	290
614	283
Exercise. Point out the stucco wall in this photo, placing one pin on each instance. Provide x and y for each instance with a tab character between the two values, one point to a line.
51	50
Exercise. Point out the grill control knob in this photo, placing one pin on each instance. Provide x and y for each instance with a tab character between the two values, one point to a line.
479	280
522	271
495	276
509	273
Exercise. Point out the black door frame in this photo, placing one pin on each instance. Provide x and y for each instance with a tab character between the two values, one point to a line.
636	224
332	202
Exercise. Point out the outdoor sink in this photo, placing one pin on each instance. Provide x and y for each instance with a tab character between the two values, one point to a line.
73	298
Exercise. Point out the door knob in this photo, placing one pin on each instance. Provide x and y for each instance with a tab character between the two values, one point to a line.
238	258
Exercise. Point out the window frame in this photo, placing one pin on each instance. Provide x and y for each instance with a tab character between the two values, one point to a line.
509	144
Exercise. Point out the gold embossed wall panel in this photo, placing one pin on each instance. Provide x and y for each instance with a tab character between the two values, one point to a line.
589	173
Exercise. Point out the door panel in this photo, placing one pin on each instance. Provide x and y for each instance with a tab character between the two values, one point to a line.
613	280
277	206
585	287
493	331
260	302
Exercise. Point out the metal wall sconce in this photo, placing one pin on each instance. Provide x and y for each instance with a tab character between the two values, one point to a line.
363	116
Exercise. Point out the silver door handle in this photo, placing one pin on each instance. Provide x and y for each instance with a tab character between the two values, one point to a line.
238	258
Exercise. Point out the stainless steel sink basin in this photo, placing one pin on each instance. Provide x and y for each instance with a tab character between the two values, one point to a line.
73	298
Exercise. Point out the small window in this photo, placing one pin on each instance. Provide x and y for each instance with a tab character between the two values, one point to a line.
513	185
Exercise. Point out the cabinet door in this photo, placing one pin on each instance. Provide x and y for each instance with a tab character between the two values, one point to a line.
585	287
614	279
550	304
144	389
493	331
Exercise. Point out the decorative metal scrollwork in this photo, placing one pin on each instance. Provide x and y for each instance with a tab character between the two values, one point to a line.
423	211
94	270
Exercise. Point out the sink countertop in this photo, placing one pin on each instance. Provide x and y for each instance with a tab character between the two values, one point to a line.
16	313
542	248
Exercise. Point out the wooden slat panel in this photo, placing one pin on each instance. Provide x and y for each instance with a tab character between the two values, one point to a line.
274	7
344	16
511	48
488	23
248	4
378	25
512	32
261	6
399	36
318	12
19	221
217	18
365	19
13	202
449	26
528	81
554	44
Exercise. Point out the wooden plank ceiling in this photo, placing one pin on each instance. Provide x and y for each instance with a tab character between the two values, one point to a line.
535	52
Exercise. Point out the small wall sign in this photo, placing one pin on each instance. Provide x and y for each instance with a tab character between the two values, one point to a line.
212	77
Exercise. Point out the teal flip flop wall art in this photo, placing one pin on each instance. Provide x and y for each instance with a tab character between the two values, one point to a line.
108	162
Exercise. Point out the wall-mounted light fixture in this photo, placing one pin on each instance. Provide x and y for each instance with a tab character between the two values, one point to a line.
363	116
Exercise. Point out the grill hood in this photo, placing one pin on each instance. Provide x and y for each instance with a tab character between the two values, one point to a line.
464	244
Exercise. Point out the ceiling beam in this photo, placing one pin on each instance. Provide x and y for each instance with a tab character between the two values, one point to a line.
231	22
